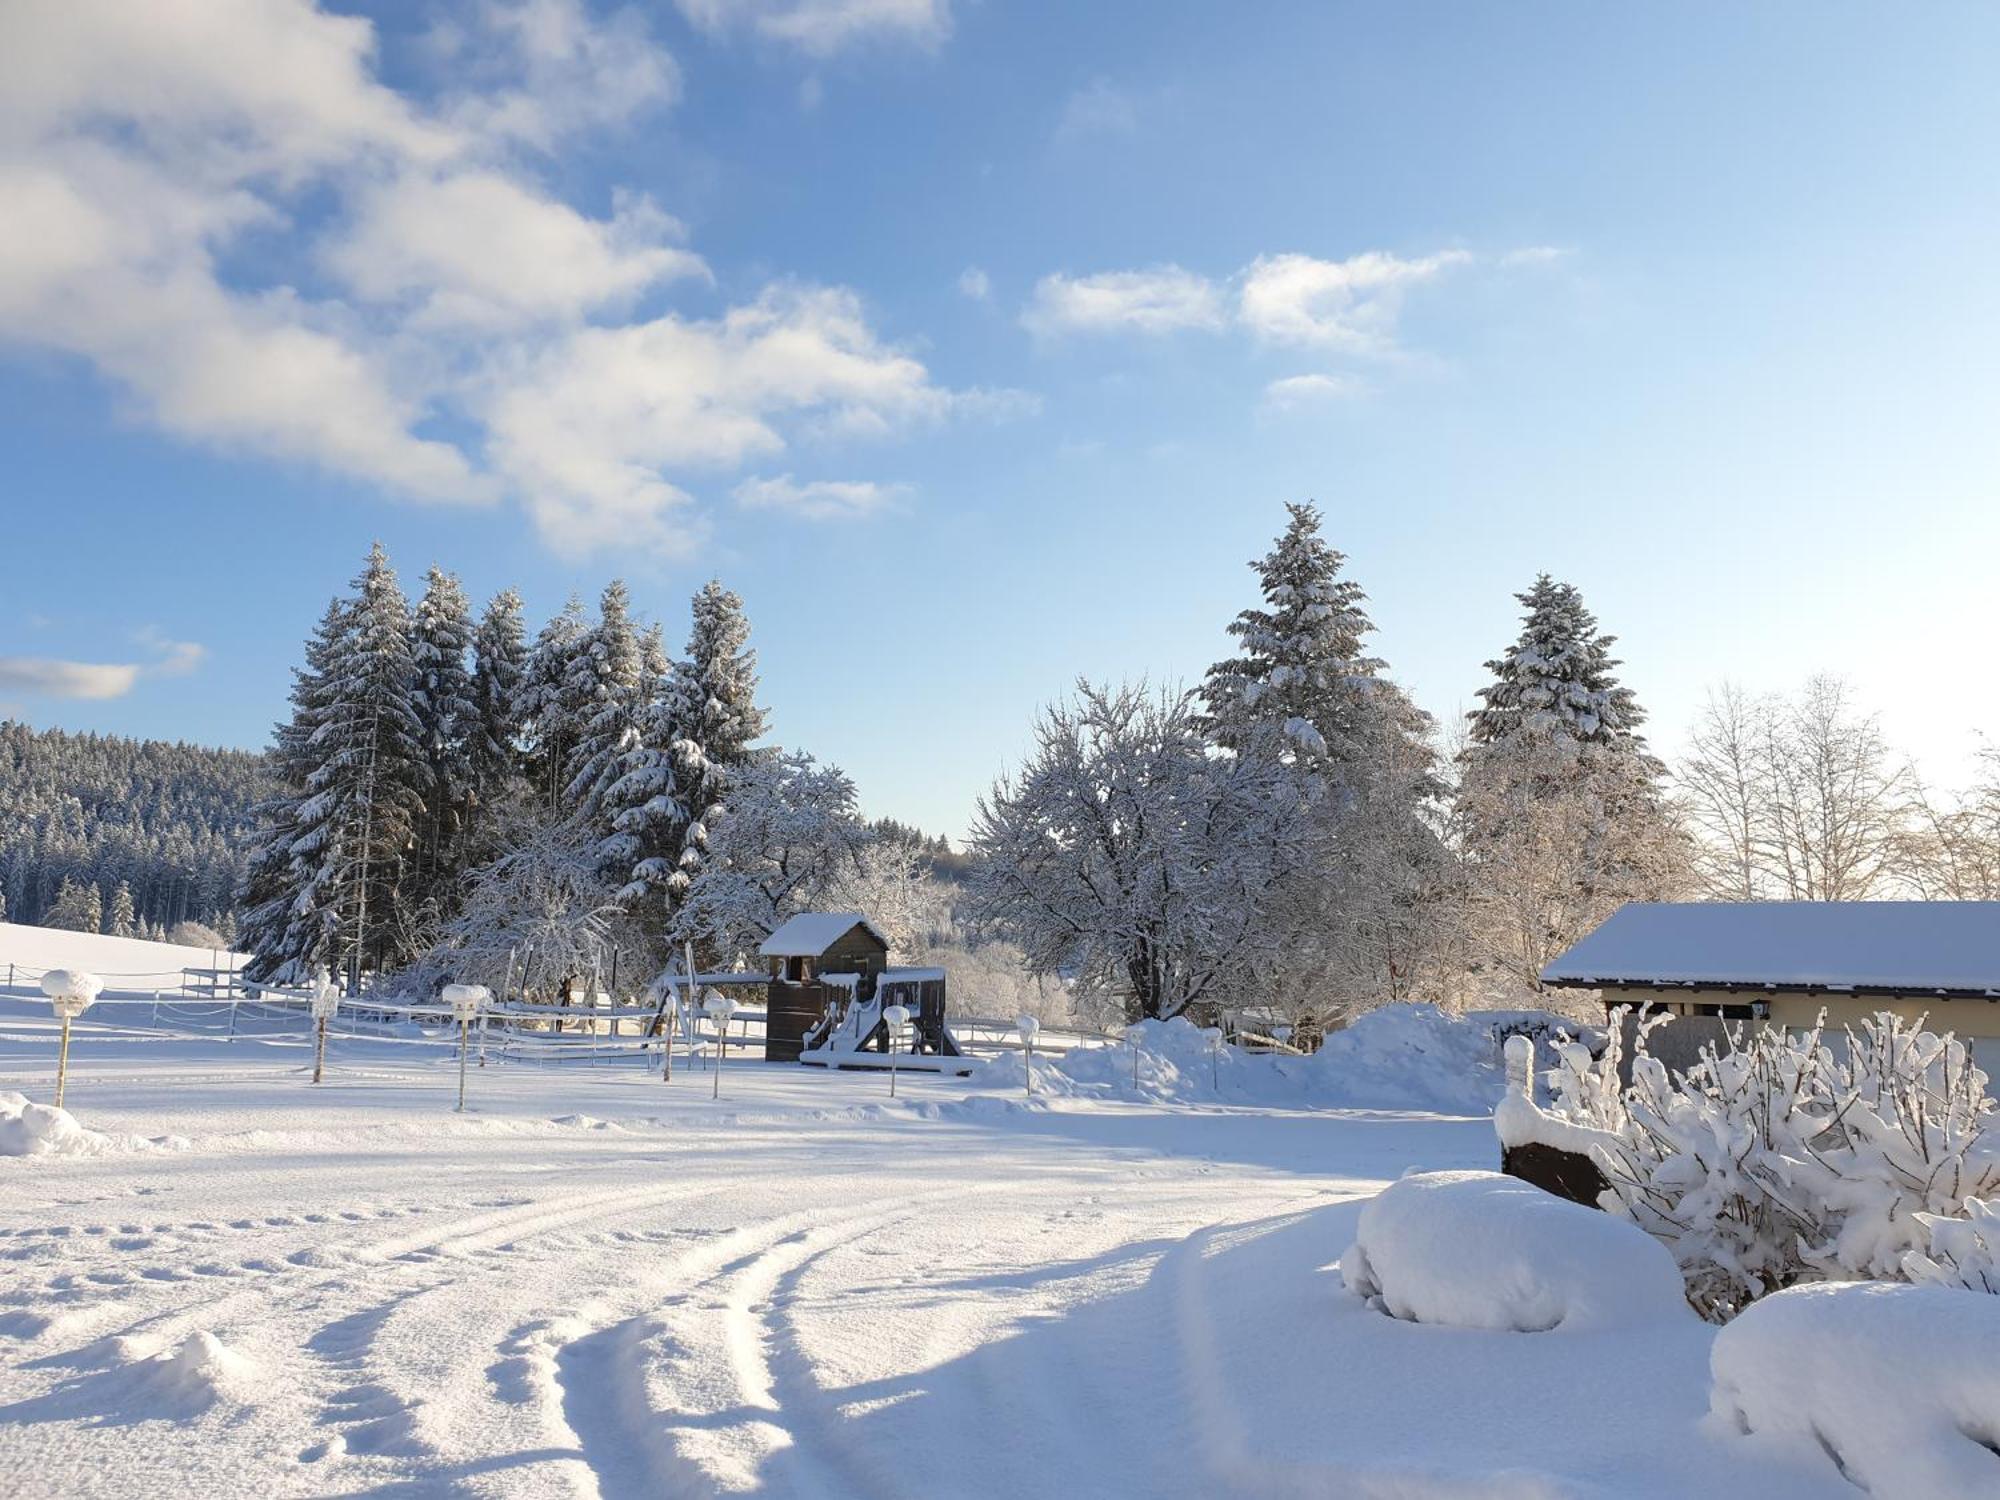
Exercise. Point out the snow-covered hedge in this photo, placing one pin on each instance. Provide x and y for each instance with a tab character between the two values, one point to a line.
1786	1159
1401	1057
1899	1386
1484	1250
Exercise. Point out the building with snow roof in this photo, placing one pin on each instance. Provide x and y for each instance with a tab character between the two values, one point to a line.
831	983
1786	961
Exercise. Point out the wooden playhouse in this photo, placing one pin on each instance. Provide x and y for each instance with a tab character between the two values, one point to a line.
830	983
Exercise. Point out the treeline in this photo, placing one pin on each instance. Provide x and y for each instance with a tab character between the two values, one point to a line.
1291	836
132	837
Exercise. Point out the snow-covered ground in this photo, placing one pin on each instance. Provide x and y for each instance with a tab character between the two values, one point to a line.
595	1283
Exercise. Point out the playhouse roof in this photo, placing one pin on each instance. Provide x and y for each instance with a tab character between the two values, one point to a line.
1892	947
811	933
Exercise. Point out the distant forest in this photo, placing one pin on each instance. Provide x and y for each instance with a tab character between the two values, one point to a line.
167	820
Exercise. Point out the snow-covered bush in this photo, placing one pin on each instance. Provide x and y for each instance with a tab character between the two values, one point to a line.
1484	1250
1899	1386
1963	1252
1784	1159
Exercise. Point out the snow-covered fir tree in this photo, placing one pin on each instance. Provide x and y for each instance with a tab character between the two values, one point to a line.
367	788
447	728
549	717
79	907
605	683
718	720
500	662
286	929
121	920
1560	811
645	807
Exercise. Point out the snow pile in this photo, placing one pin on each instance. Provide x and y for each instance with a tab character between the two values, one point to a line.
1401	1057
191	1376
31	1129
1484	1250
1898	1385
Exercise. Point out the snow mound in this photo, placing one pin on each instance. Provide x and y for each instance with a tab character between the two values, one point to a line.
199	1371
31	1129
1898	1385
1484	1250
1401	1057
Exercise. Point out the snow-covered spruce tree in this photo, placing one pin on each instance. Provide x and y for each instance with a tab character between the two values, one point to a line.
500	663
605	683
78	907
718	720
1128	855
285	939
121	921
366	791
647	813
447	729
1346	927
787	835
549	717
1559	806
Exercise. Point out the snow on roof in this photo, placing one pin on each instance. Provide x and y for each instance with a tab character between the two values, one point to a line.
1904	947
910	976
811	933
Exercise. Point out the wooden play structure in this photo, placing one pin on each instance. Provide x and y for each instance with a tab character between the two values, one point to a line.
831	982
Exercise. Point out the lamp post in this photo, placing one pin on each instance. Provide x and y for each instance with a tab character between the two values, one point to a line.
70	992
896	1017
466	1001
720	1008
325	1002
1028	1026
1214	1035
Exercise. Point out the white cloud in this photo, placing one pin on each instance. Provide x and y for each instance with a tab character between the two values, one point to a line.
587	428
1347	305
823	27
176	658
144	144
1160	299
1295	392
67	679
1098	108
819	499
975	283
1535	255
476	247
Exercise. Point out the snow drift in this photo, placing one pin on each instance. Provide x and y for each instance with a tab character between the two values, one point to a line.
31	1129
1898	1385
1484	1250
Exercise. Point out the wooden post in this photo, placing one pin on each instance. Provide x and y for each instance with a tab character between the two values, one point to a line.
62	1063
319	1049
461	1067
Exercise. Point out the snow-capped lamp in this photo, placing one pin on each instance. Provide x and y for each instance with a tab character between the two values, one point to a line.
325	999
1029	1028
895	1017
70	992
720	1008
466	1002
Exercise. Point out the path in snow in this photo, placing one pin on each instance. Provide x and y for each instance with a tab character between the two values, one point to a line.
596	1284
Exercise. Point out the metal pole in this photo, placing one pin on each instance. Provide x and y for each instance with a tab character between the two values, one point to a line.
461	1067
62	1063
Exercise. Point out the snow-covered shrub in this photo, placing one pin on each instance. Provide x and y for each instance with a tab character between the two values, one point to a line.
1963	1252
1781	1160
1899	1386
1484	1250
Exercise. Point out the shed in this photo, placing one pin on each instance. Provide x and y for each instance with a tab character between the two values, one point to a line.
1785	961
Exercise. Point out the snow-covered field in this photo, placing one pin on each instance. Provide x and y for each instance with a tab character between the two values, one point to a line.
594	1283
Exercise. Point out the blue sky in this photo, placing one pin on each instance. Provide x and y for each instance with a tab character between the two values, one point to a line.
979	345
